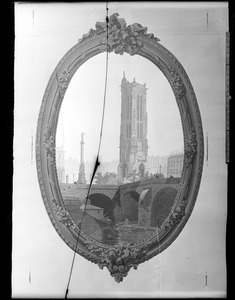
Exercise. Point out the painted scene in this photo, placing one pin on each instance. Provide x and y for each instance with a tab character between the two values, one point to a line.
141	155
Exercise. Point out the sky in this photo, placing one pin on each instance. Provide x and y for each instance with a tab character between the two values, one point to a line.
195	34
83	103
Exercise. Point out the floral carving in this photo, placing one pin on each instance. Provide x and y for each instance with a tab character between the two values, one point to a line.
119	259
63	82
176	216
63	215
121	38
191	147
177	83
49	143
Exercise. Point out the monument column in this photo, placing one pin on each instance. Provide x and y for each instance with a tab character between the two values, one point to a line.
81	174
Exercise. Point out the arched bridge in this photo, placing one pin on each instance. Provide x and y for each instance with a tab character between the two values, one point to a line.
146	202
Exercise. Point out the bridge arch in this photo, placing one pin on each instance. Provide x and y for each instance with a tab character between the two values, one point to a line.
103	201
161	205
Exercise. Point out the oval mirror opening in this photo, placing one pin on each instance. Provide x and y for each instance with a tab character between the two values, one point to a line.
141	152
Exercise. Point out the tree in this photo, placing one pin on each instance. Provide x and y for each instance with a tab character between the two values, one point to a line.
160	175
111	178
107	178
147	176
99	178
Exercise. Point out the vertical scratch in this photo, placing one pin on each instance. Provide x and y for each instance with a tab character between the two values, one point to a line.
207	146
29	276
206	281
32	148
207	19
228	97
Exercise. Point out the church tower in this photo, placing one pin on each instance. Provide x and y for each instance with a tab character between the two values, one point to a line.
81	175
133	131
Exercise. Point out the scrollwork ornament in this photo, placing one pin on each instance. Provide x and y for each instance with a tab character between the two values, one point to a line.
63	82
119	259
176	216
191	147
177	83
49	144
63	215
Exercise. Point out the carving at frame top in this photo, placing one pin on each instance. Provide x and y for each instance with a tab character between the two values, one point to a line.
121	38
119	259
191	147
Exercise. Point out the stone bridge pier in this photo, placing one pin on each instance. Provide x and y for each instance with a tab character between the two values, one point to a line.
153	199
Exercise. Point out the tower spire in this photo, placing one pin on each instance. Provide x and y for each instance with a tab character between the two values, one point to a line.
124	81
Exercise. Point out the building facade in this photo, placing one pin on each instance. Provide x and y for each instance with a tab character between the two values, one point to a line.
60	164
71	169
175	164
133	131
157	164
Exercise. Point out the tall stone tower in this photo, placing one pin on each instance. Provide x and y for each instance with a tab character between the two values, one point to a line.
81	174
133	131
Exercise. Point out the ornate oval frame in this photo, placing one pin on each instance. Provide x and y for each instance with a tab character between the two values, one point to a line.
132	39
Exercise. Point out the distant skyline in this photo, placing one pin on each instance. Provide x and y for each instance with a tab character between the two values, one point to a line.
71	166
82	108
172	152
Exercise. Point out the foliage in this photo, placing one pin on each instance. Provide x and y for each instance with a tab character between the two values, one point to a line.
155	175
107	178
134	176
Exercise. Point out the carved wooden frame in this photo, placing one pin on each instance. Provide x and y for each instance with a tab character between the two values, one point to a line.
135	40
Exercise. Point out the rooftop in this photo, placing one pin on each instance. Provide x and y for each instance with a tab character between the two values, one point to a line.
90	207
126	83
